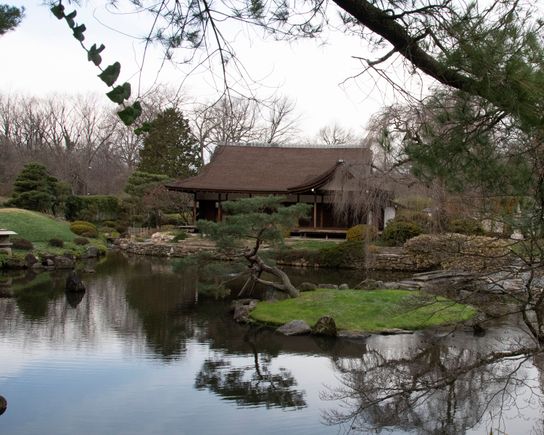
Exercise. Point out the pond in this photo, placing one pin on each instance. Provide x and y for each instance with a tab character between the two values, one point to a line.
142	352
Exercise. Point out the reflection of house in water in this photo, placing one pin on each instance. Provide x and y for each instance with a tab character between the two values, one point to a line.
314	176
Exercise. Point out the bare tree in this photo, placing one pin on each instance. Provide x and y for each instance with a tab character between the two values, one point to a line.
337	135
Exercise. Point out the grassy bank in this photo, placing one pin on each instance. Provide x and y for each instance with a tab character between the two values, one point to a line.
40	228
372	311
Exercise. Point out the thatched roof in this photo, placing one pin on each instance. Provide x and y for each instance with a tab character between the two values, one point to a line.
235	168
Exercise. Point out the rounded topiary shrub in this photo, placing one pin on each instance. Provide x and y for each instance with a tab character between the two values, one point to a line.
81	241
84	228
362	232
470	227
423	220
20	243
57	243
181	235
397	232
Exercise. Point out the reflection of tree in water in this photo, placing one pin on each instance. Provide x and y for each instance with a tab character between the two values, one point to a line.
162	302
253	384
437	389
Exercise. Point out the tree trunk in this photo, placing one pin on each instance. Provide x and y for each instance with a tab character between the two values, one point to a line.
257	267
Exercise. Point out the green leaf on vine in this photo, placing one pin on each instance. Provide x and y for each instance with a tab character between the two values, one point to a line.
70	19
58	10
78	32
110	74
120	93
129	114
93	55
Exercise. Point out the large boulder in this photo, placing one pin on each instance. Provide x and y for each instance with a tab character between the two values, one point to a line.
63	262
295	327
74	283
325	326
307	287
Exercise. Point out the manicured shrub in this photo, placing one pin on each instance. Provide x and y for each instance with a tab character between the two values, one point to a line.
397	232
345	254
470	227
181	235
81	241
362	232
20	243
84	228
57	243
421	219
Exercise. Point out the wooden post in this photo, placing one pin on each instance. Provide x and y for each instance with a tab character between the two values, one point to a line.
321	212
315	209
194	208
219	217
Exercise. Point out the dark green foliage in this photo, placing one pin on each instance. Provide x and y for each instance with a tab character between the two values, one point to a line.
182	235
421	219
169	147
81	241
362	232
10	17
57	243
349	254
34	189
452	148
470	227
139	182
260	218
83	228
21	243
91	207
397	232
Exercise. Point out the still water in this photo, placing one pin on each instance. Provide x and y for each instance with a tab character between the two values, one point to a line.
143	352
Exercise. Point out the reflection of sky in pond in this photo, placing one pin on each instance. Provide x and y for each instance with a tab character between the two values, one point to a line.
129	357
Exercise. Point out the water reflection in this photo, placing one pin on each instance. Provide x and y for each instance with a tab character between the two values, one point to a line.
437	386
144	339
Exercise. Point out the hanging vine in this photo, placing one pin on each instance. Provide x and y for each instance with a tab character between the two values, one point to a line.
119	94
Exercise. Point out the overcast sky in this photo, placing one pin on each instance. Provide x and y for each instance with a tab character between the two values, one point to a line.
41	57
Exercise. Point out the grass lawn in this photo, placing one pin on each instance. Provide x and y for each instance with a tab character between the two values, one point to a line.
40	228
360	310
34	226
311	244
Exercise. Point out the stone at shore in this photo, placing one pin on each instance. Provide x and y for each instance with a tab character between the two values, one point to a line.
295	327
31	260
343	287
91	252
325	326
242	308
74	283
63	262
369	284
333	286
395	331
3	404
307	287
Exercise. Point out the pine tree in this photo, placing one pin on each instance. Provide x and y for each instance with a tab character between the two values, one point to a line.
170	147
34	189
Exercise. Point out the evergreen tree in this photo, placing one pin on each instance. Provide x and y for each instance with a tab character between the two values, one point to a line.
35	189
261	220
170	147
10	17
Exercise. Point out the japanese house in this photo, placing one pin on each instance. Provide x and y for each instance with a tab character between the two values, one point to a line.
313	175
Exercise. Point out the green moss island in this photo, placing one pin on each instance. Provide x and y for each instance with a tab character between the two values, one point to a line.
366	311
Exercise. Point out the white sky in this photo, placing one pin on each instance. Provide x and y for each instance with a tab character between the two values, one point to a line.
41	57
